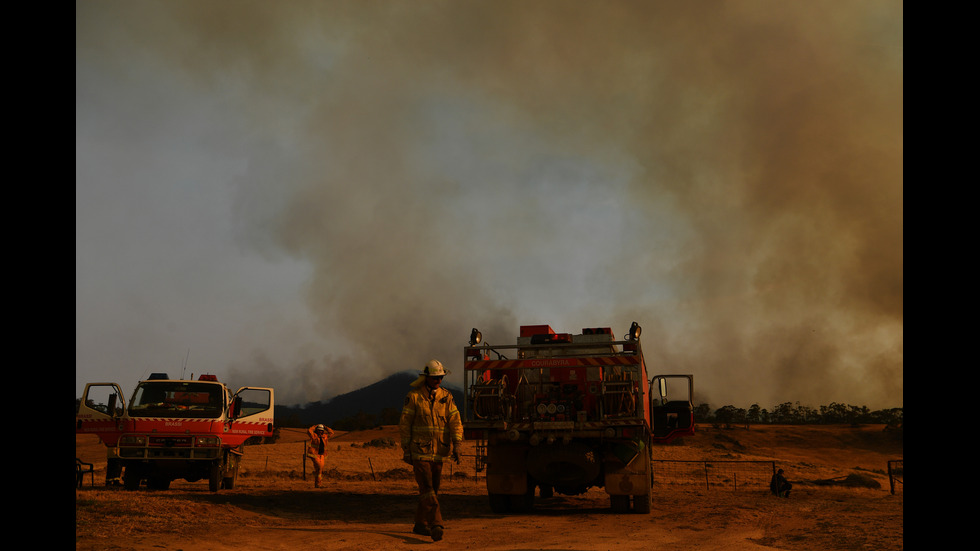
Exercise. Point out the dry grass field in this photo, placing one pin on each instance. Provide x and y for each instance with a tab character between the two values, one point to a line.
368	500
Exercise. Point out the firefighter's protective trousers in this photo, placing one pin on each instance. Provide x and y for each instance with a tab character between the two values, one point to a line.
428	475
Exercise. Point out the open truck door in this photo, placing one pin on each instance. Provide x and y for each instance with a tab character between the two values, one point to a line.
251	412
672	407
100	411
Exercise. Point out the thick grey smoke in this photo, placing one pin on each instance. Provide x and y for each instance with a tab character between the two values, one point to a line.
730	175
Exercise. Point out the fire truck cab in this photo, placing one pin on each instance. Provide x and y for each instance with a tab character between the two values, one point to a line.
170	429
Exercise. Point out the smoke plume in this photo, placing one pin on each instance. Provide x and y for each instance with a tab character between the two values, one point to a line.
727	174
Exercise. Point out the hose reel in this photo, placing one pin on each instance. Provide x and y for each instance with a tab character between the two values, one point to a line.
491	400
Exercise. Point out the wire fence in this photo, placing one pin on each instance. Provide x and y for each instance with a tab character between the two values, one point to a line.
735	475
377	465
712	475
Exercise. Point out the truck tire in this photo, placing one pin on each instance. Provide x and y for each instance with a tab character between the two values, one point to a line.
230	481
641	504
132	477
522	503
620	503
500	503
214	476
113	472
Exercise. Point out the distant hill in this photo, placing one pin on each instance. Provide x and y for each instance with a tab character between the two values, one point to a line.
380	402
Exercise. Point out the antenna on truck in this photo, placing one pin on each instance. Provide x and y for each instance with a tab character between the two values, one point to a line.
184	368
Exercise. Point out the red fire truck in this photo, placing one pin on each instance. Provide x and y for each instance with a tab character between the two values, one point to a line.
564	413
175	429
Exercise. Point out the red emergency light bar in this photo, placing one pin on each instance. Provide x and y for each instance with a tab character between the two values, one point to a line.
208	378
532	330
551	338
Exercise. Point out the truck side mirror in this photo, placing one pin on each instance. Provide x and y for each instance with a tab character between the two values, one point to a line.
236	407
112	405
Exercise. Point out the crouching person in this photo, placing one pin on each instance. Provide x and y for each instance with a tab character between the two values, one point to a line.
779	485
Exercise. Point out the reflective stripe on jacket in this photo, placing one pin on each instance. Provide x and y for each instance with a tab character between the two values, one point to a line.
429	424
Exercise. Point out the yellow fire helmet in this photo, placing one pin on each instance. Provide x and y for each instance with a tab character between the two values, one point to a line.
434	368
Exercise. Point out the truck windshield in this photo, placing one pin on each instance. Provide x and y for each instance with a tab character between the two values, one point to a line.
177	399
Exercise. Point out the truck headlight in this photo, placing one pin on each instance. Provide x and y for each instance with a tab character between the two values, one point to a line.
207	442
132	440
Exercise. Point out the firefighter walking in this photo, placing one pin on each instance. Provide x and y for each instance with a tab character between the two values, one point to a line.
317	450
431	430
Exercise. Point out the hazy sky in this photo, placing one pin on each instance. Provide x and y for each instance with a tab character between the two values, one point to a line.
314	195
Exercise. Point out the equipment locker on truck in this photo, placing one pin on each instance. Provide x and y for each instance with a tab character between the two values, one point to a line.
175	429
564	413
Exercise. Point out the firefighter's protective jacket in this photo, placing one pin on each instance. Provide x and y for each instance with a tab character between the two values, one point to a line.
430	424
318	442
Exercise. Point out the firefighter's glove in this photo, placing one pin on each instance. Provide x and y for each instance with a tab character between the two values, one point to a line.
456	455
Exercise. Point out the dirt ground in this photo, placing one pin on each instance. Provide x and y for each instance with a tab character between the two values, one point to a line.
368	500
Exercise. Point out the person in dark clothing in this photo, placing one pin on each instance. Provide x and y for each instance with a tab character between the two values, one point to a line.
779	485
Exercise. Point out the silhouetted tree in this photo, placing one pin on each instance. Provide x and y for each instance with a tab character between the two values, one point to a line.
724	415
783	413
702	413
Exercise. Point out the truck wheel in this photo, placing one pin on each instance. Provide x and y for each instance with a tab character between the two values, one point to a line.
620	504
641	504
214	476
230	481
522	503
113	472
131	478
499	503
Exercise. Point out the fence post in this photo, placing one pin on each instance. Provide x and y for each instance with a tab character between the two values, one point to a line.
891	479
892	474
706	485
304	460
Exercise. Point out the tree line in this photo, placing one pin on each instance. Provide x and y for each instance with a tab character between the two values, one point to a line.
788	413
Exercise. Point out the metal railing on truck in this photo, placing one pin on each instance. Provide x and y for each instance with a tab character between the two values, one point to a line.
599	381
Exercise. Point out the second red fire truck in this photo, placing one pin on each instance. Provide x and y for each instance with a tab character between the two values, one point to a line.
565	412
171	429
